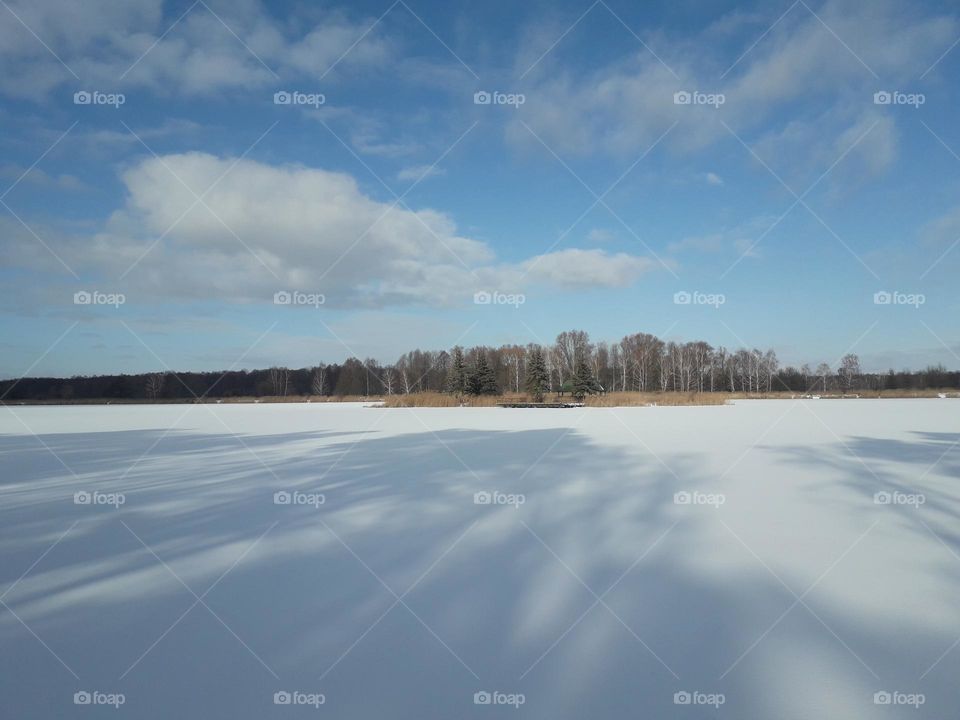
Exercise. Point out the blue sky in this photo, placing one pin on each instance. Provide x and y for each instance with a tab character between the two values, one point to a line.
787	185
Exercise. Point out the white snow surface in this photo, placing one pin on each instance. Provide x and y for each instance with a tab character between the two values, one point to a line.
600	596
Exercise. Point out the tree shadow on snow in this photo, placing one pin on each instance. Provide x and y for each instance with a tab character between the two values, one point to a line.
400	596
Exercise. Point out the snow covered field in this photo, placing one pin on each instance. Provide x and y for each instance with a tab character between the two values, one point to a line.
627	561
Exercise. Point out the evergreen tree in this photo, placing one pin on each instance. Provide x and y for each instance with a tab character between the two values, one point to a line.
482	380
457	374
583	382
538	379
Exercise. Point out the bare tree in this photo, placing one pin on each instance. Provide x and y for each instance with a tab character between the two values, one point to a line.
513	357
824	372
771	364
279	381
372	373
570	347
155	385
389	379
318	383
849	371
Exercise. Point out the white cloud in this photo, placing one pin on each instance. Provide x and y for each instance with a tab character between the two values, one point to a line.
420	172
618	109
702	243
853	144
943	232
114	45
741	239
803	59
621	108
36	176
574	267
713	179
747	247
600	235
293	227
369	140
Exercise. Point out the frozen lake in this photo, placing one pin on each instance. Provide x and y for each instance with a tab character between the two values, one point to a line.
615	563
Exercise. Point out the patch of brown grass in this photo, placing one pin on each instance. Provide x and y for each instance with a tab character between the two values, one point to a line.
209	400
837	395
620	399
289	399
435	399
633	399
294	399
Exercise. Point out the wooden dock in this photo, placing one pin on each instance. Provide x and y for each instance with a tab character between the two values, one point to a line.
540	405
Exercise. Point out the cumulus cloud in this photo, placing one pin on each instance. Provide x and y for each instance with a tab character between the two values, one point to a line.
261	228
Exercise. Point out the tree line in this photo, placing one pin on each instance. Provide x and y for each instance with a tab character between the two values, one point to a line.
572	364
